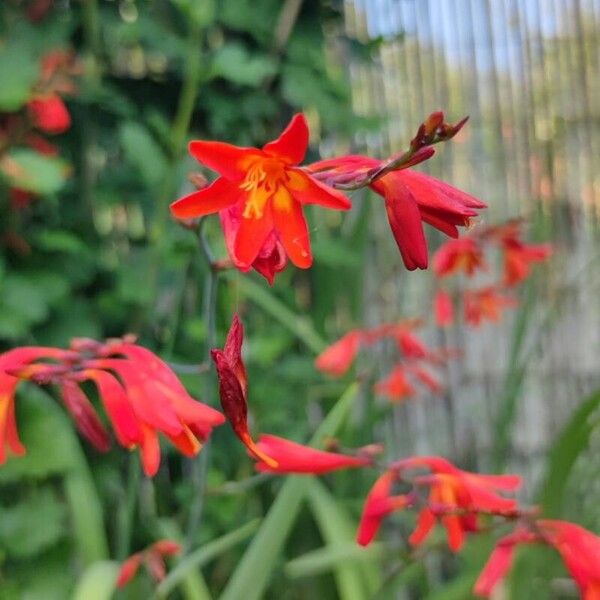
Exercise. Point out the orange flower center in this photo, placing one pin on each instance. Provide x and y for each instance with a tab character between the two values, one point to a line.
265	181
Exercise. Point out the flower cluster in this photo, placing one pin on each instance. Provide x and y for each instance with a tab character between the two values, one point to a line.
412	368
467	256
43	113
260	194
141	396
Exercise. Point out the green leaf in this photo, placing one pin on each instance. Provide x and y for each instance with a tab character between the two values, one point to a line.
234	63
337	530
18	73
255	569
98	581
33	524
142	151
35	173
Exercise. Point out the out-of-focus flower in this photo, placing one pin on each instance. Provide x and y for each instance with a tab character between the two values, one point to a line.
443	308
233	388
49	113
265	192
396	385
291	457
456	497
486	304
152	557
140	393
464	254
379	504
578	547
336	359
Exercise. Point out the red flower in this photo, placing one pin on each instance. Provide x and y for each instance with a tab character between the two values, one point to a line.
396	385
144	398
265	191
271	258
443	308
291	457
379	504
152	557
410	199
578	547
49	113
233	388
485	304
518	258
456	497
453	256
336	359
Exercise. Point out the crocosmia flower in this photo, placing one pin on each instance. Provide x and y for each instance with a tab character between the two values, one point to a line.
141	395
49	113
264	191
233	388
336	359
456	497
578	547
454	256
486	304
443	309
152	557
291	457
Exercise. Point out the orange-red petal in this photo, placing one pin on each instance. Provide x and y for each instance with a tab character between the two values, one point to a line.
251	236
291	145
217	196
226	159
293	233
308	190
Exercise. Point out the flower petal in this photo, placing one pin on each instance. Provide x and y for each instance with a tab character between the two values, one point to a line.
219	195
308	190
226	159
251	237
291	226
495	569
291	145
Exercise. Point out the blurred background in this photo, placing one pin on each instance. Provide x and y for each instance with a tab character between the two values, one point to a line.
88	248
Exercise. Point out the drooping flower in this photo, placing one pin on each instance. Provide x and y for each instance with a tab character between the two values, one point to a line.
456	497
291	457
152	557
464	254
336	359
140	393
395	385
233	388
486	304
264	190
379	504
578	547
411	198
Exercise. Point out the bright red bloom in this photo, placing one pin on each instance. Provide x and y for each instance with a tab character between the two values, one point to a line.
410	199
410	344
396	385
291	457
456	496
265	191
336	359
233	388
443	308
518	258
140	393
464	254
49	113
485	304
152	557
578	547
379	504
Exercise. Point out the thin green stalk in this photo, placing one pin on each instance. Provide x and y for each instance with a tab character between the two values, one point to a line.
126	512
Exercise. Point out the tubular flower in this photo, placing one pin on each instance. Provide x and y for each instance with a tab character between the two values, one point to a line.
411	198
379	504
518	258
233	388
291	457
396	385
463	254
49	113
453	491
140	394
153	557
336	359
485	304
264	190
578	547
